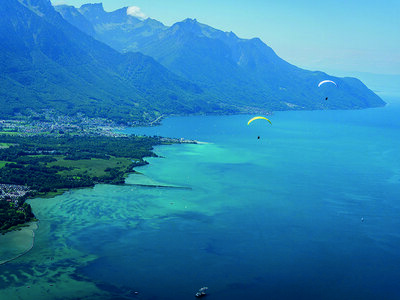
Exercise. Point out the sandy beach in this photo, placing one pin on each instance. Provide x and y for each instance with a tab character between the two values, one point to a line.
17	243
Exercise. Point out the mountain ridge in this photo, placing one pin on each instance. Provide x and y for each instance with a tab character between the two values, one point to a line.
232	69
46	62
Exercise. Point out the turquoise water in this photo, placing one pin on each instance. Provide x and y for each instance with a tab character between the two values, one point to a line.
308	211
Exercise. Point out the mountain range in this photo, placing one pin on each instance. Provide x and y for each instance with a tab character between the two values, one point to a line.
46	63
117	66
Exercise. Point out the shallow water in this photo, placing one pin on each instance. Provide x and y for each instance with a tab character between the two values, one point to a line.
278	217
16	243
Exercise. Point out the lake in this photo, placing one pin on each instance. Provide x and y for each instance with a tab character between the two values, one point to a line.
305	208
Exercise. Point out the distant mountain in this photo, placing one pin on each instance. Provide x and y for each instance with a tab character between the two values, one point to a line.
116	28
49	63
46	63
242	73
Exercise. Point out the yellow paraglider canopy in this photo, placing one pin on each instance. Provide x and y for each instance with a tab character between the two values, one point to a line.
257	118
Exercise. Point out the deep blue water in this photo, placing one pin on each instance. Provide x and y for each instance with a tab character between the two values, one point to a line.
322	203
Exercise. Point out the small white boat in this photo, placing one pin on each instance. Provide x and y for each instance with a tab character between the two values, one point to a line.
201	292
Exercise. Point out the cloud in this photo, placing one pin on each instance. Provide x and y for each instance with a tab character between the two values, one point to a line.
135	11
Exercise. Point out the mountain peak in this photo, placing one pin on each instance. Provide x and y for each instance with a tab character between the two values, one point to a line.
187	26
122	15
194	27
94	8
256	40
98	6
154	22
232	34
190	21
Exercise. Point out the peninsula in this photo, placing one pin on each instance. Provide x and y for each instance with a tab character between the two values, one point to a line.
40	161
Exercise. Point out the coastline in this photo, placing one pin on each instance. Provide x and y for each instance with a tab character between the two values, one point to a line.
17	243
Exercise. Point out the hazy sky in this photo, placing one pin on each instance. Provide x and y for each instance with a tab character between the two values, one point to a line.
330	35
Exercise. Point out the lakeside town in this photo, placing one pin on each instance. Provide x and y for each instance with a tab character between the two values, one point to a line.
46	152
14	212
50	122
13	193
54	124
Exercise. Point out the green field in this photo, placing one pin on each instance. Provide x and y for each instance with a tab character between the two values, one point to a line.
5	145
3	163
9	132
50	165
93	167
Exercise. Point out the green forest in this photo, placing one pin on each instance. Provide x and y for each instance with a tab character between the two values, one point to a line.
10	216
48	164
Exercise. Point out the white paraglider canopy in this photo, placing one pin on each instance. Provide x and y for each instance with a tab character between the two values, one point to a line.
326	81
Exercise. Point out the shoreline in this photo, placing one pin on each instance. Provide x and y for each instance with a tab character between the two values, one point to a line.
15	237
